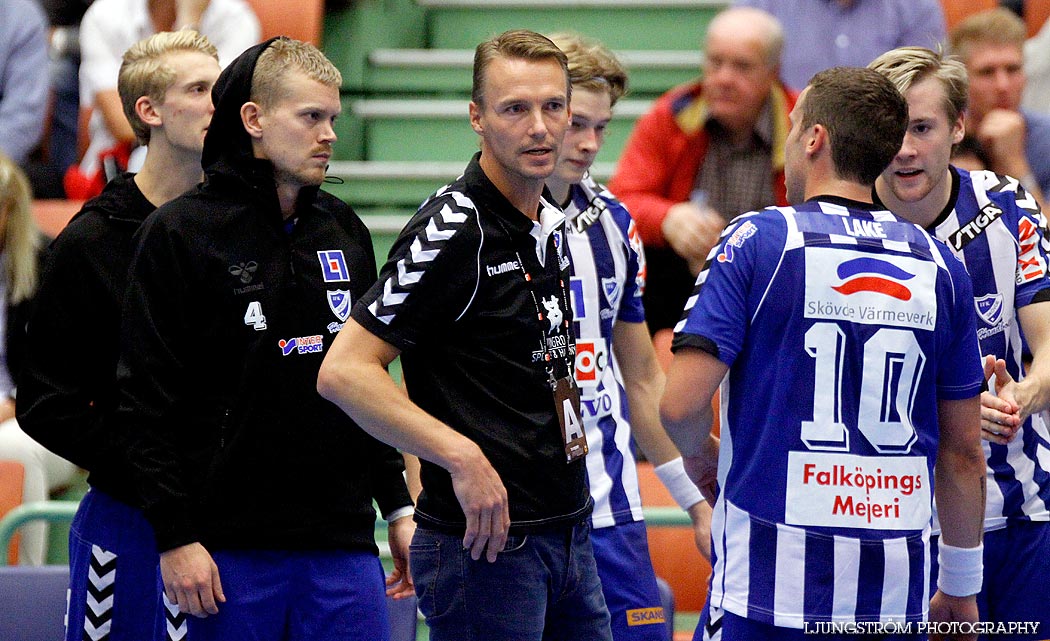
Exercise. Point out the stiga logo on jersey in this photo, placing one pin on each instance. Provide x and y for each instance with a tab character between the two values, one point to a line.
591	361
589	216
854	286
746	230
339	303
1030	263
645	616
302	345
333	265
989	214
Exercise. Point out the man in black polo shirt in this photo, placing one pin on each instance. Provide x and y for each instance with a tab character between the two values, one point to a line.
475	299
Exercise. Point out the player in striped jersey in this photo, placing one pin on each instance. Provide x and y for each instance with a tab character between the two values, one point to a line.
852	369
995	227
616	366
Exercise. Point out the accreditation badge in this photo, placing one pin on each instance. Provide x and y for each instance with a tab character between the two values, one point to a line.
567	401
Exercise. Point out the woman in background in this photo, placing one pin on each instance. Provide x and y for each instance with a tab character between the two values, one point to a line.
21	244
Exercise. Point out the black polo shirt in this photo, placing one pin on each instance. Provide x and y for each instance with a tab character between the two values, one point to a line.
454	299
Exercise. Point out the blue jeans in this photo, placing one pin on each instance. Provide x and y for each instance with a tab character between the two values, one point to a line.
542	587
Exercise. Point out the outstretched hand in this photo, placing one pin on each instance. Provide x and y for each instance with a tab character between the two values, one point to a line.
1000	412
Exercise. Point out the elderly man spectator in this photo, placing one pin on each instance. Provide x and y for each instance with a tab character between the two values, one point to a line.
706	152
1011	140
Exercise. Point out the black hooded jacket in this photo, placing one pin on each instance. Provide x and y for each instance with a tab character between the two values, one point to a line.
227	317
67	385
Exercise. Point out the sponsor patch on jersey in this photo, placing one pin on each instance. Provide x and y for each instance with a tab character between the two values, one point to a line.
849	491
1030	262
971	230
588	216
333	265
591	360
339	303
746	230
859	287
301	345
596	403
873	275
990	308
645	616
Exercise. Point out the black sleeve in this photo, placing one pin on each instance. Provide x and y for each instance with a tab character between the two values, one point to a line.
67	375
151	377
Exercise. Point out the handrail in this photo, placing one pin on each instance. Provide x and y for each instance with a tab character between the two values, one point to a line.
54	511
666	516
50	511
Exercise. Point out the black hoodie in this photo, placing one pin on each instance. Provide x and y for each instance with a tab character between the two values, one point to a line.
67	387
227	317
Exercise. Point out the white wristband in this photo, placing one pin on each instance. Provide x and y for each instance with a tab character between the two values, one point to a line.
400	513
961	570
683	490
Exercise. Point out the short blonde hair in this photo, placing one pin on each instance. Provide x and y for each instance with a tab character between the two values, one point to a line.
907	66
998	26
145	71
285	55
519	44
19	236
591	65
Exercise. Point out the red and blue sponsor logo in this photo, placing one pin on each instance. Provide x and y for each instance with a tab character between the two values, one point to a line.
301	345
333	265
746	230
873	275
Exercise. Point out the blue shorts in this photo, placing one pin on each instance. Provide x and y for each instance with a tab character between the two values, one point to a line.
629	582
541	587
114	586
719	625
1016	571
296	596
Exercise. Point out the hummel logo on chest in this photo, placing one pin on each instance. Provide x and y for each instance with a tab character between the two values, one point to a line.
502	268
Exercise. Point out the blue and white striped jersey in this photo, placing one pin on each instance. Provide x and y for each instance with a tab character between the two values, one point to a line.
842	327
1001	237
608	275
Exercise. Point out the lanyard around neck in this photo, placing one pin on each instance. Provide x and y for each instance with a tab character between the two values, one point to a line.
548	357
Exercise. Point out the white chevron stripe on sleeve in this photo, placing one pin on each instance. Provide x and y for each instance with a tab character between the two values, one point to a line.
420	255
